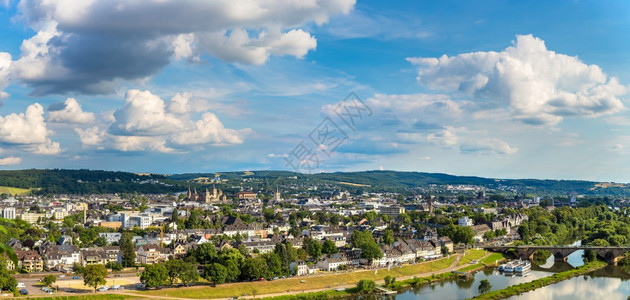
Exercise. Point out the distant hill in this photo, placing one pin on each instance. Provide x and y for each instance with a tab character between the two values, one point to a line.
86	181
396	180
98	181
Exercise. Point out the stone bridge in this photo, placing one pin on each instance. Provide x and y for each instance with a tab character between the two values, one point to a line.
609	253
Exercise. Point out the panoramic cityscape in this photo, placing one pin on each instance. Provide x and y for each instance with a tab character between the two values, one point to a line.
316	149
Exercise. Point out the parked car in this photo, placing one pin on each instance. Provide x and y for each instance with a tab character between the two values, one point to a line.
103	288
116	287
21	285
76	277
23	292
70	290
62	276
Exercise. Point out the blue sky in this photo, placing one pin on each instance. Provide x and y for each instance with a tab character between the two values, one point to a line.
507	89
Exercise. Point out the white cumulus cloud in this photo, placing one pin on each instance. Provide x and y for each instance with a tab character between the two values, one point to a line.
136	39
147	123
11	160
90	136
69	112
144	115
28	130
5	65
487	146
539	86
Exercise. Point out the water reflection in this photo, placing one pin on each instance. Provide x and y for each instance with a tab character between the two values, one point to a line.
611	282
591	286
466	288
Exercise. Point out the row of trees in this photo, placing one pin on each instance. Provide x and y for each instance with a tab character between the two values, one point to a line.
171	272
231	264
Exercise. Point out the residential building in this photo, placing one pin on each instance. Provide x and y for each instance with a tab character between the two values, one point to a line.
465	221
8	213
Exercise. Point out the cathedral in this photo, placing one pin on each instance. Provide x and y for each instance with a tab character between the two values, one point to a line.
206	196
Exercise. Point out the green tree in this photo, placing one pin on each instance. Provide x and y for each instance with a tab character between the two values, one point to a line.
366	286
254	268
205	253
369	248
444	250
7	281
127	250
484	286
175	216
49	279
488	235
174	269
329	247
216	273
388	237
232	259
193	220
589	255
189	274
114	266
154	275
94	275
371	251
312	247
10	252
388	280
360	237
77	268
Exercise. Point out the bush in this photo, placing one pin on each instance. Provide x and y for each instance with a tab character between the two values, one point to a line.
366	286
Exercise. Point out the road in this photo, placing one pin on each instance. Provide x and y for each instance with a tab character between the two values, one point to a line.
129	281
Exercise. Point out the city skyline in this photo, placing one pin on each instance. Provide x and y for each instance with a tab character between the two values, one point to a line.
492	89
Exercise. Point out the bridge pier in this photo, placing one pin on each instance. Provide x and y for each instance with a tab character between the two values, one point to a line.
559	257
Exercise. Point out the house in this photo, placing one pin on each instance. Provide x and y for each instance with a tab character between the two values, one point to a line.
150	254
263	246
93	256
479	230
395	255
333	262
465	221
246	195
313	269
299	268
429	235
445	241
62	257
179	250
28	260
111	237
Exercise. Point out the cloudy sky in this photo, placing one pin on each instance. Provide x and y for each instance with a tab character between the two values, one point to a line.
538	89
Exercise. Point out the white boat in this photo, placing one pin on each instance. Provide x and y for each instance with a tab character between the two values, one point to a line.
522	266
502	268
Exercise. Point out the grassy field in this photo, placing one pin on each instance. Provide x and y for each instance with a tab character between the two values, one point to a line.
13	191
77	284
86	297
490	260
299	283
471	255
538	283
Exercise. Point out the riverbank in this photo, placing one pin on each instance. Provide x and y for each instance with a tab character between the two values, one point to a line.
538	283
411	281
303	284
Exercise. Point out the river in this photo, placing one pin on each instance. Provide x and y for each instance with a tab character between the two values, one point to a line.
609	283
